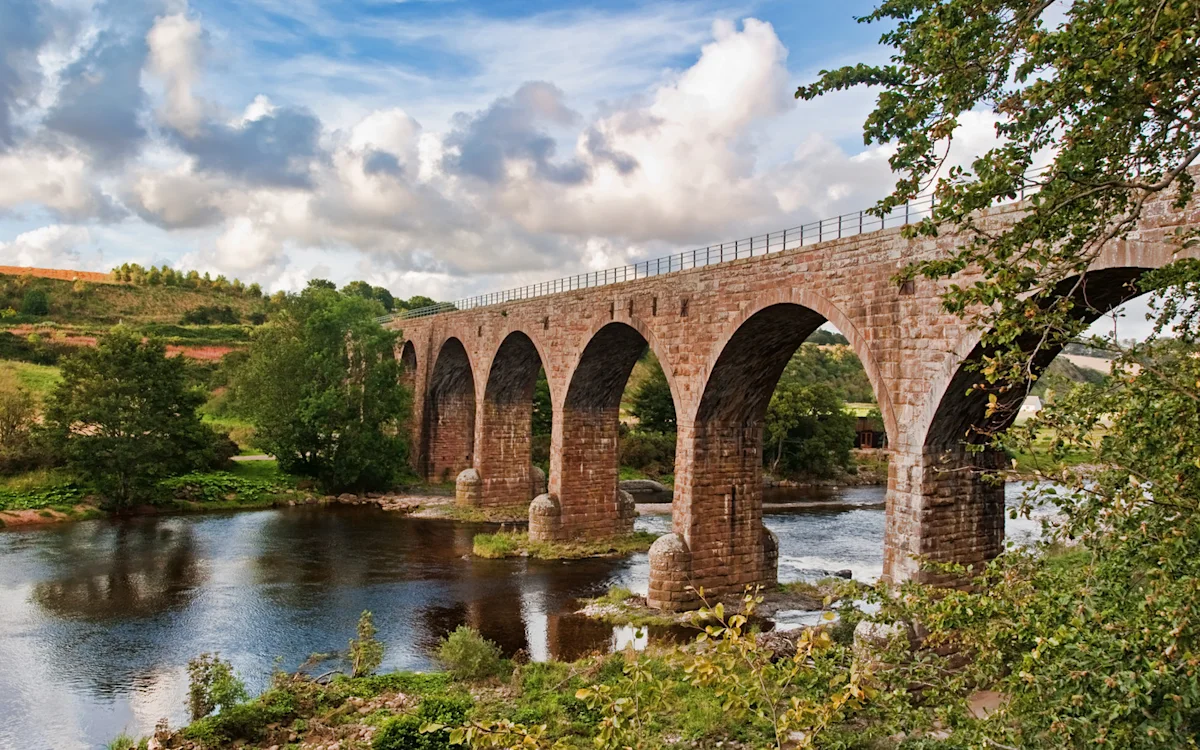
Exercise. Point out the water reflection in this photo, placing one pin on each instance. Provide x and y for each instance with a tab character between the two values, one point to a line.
138	569
98	619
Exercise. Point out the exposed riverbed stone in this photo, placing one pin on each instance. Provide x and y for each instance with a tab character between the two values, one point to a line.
638	486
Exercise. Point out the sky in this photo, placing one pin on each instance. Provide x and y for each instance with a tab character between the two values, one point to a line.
444	148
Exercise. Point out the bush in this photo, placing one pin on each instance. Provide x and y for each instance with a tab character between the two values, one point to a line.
366	652
212	684
124	742
35	303
650	452
17	419
210	314
404	732
469	656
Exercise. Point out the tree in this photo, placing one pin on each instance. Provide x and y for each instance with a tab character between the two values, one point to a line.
322	386
124	417
543	416
652	403
35	303
385	298
417	301
359	289
1098	647
807	429
366	651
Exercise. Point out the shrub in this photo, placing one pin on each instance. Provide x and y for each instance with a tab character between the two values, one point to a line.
124	742
404	732
366	652
212	684
469	656
35	303
209	315
649	452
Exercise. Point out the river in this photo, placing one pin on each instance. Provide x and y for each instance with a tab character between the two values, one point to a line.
98	619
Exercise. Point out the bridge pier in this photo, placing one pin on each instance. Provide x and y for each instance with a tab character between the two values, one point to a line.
719	542
584	501
940	509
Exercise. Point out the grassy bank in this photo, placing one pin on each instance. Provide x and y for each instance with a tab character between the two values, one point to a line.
52	495
518	544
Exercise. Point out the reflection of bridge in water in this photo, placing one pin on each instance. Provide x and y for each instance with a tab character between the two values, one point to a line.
723	325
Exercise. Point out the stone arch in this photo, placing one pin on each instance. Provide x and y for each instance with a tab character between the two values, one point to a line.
585	450
830	313
719	535
940	506
959	416
408	361
450	413
504	473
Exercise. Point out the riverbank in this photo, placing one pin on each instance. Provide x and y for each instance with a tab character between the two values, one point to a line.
621	607
663	696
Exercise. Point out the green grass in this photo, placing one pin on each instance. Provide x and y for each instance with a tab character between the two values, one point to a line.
1035	457
860	409
37	379
240	431
517	543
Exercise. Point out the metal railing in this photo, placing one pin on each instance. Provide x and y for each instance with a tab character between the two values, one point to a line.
837	227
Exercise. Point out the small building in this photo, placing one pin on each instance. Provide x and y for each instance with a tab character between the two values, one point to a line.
869	433
1030	406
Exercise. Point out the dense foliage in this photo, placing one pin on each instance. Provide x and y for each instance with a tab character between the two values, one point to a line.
1099	649
807	430
322	387
132	273
652	403
124	418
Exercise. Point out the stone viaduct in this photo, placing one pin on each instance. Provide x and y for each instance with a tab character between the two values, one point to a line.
723	334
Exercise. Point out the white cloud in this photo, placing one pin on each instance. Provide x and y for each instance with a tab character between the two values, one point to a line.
175	43
532	181
56	246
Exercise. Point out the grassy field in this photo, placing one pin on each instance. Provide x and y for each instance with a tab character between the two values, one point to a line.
37	379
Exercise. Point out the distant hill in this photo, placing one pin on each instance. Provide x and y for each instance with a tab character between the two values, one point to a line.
59	273
87	299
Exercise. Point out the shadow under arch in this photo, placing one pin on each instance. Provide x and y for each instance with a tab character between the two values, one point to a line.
585	445
504	437
449	413
408	361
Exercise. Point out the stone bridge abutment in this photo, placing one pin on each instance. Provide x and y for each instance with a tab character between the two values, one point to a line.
723	335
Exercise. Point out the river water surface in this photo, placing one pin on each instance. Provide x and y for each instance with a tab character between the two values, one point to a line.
98	619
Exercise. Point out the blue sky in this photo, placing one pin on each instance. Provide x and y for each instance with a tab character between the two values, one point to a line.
440	148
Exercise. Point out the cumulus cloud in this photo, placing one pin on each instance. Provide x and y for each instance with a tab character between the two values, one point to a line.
176	45
101	98
24	29
533	182
57	179
55	246
485	144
